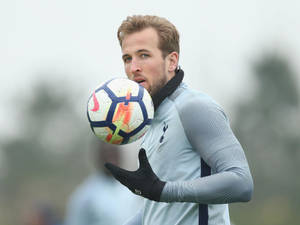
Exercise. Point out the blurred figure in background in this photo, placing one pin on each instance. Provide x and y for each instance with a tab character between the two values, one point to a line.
42	214
100	199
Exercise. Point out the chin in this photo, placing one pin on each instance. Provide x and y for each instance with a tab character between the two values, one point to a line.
146	87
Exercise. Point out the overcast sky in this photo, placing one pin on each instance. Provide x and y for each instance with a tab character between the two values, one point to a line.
76	40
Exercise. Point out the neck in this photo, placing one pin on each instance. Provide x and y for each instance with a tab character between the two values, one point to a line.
168	89
171	75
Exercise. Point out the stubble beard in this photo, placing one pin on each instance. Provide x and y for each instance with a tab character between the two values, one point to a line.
158	85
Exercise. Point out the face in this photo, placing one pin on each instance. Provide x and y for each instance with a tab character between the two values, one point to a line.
144	62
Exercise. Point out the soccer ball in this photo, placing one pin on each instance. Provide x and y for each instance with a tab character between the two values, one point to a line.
120	111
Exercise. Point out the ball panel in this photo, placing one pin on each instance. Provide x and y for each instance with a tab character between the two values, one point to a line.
129	116
107	135
98	106
122	86
136	123
139	134
101	132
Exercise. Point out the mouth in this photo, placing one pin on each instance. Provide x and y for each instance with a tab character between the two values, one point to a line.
140	81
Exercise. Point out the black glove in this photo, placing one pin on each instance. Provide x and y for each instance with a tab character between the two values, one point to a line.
143	181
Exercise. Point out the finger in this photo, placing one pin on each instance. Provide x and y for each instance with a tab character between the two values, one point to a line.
143	159
110	167
142	156
116	171
123	176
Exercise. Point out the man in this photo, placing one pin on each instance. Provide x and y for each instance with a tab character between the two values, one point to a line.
100	199
196	165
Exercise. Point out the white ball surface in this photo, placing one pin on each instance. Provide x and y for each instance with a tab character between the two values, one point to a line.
120	111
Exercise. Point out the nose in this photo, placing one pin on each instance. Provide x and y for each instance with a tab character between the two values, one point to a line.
135	66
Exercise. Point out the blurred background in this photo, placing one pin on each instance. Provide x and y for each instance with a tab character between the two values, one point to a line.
245	54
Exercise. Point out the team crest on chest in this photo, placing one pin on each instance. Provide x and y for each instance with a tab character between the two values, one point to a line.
164	131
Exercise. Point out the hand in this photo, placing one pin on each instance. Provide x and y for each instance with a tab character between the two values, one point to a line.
143	181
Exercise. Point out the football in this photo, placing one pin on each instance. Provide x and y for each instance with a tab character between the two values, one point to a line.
120	111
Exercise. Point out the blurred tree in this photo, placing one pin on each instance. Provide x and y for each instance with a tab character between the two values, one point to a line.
46	160
267	125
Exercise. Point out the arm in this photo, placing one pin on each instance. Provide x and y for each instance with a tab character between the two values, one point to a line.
208	131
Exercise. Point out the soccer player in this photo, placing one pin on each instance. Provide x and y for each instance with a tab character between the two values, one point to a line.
191	165
92	203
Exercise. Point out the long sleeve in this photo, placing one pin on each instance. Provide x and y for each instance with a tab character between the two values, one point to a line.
207	129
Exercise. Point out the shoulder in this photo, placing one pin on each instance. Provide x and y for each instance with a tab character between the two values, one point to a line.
189	101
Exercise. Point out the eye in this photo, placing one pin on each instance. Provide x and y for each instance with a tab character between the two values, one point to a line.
126	59
144	55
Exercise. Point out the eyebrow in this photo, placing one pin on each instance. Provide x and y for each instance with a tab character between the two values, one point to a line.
142	50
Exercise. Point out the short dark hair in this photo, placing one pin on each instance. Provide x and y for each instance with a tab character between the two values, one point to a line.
167	32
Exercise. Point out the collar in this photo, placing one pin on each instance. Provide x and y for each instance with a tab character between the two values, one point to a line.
168	89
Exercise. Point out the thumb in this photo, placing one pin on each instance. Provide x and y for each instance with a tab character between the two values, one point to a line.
143	159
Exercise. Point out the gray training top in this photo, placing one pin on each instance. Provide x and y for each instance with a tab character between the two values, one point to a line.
191	146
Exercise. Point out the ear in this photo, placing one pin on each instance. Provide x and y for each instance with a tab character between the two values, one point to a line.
173	58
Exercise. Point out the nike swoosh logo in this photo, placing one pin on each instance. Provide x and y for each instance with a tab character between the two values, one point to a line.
96	103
